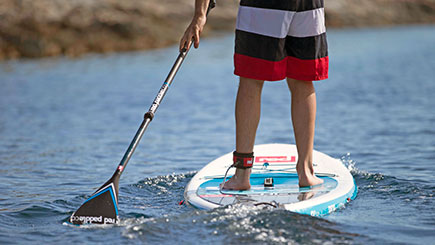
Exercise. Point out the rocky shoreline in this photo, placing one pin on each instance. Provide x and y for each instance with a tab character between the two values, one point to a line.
38	28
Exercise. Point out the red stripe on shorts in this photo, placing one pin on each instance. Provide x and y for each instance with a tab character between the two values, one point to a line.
306	70
254	68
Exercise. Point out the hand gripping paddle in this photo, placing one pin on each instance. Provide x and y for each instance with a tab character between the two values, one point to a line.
102	206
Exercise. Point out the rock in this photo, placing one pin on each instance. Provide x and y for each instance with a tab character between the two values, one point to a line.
342	13
36	28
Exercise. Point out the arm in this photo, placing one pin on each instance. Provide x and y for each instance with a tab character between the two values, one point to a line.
195	28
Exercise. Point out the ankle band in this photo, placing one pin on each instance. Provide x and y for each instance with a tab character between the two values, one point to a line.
243	160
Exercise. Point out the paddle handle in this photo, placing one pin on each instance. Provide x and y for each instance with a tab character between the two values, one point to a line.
148	117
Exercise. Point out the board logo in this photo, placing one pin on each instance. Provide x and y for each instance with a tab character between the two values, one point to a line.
275	159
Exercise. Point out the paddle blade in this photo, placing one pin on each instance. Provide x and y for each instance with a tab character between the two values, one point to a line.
100	208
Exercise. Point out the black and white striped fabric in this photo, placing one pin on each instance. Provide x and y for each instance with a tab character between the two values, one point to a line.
276	39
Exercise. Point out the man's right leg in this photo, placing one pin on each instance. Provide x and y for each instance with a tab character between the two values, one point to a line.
248	108
303	111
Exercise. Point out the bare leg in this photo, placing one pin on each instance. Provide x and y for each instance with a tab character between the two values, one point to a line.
248	107
303	111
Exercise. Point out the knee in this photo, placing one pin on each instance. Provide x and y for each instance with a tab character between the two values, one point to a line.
250	84
300	86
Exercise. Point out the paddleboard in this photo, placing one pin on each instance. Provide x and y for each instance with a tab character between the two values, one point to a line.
275	163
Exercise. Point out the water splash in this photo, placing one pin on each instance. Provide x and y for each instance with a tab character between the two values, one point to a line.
349	163
358	173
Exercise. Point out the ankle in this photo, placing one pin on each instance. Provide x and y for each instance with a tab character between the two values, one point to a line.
304	168
242	173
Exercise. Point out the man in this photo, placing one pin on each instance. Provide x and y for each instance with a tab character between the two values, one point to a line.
275	39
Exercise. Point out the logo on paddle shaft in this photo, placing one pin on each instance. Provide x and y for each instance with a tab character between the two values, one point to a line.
275	159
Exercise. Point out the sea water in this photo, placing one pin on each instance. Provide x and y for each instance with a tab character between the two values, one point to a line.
65	124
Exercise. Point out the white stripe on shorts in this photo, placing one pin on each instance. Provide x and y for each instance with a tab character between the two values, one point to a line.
267	22
280	23
308	23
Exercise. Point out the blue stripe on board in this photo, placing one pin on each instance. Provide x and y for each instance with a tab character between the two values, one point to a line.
283	183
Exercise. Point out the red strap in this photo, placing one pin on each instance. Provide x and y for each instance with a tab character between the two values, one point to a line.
243	160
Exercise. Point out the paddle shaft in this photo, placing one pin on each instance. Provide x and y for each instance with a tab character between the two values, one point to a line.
148	117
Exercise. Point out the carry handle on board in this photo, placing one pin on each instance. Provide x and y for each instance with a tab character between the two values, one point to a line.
102	206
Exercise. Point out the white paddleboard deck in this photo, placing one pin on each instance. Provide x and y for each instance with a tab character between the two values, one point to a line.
277	161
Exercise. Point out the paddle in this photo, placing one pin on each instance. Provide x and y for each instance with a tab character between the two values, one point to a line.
102	206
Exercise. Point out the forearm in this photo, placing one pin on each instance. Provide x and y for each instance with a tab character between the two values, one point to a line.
200	8
194	30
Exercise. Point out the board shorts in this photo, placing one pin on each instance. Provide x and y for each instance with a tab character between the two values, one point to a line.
276	39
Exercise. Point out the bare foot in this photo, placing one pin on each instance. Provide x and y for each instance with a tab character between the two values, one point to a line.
309	180
240	181
307	176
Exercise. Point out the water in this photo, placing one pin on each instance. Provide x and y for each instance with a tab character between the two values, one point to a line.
65	124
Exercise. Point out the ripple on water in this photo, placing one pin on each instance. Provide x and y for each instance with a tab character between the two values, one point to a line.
238	224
